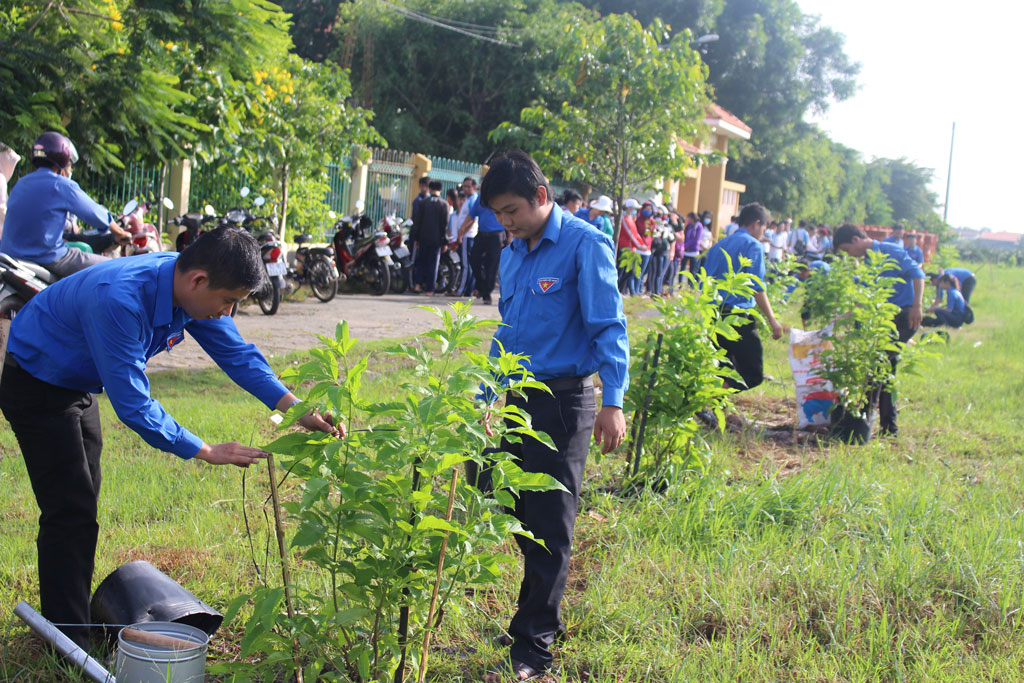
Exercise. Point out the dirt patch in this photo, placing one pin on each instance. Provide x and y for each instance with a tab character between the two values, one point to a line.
767	431
297	323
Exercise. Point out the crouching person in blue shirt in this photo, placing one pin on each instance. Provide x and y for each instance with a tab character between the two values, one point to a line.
954	312
907	293
94	331
560	306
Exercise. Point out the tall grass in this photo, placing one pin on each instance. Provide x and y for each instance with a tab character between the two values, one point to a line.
899	560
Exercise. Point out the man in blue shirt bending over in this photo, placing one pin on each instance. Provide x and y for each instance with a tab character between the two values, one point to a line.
561	307
39	206
745	353
907	293
94	331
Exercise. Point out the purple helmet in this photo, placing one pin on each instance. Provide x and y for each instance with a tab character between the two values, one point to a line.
56	148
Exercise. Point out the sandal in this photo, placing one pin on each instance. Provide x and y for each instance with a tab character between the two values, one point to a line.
511	670
503	640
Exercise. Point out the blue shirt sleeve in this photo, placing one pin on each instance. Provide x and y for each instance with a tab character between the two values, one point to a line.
474	206
83	206
242	361
602	316
114	333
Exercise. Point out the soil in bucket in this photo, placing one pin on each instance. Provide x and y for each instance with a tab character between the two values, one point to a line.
145	663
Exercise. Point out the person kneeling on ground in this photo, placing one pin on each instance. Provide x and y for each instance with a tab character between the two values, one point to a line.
964	278
953	313
94	331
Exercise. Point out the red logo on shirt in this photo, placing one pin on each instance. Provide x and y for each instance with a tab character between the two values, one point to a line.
547	283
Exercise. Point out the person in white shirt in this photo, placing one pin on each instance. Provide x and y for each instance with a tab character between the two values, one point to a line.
779	240
8	160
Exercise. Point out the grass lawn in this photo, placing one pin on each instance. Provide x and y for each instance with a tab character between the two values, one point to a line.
899	560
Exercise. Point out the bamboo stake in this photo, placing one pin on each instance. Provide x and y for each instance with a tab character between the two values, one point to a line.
286	575
647	407
437	579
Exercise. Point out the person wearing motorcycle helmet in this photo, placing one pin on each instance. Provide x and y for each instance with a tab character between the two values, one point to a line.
38	208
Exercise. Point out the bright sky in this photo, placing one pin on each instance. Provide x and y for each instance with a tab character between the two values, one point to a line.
924	65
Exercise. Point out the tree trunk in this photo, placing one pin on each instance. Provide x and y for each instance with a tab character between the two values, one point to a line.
284	202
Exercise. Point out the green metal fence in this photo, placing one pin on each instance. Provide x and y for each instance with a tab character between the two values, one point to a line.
220	187
389	187
113	190
451	172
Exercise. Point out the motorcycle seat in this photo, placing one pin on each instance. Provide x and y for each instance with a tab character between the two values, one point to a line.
324	251
302	239
37	270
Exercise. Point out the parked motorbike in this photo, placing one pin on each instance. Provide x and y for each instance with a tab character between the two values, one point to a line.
401	262
269	297
449	269
314	265
193	223
20	281
145	238
363	255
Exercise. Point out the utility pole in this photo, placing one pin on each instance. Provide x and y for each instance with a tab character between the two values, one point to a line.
949	174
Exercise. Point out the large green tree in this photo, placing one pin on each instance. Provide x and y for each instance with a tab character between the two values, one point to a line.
615	105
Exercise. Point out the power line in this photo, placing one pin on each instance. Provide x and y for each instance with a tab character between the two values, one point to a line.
440	23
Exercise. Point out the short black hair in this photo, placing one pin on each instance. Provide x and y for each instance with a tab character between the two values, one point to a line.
470	179
571	195
43	162
751	213
435	185
514	173
425	180
230	256
845	234
898	226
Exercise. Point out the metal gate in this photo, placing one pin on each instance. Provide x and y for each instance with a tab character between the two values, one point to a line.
389	187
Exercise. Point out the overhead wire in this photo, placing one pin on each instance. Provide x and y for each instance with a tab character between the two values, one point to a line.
449	24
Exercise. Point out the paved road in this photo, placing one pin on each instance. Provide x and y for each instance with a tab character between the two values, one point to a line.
296	324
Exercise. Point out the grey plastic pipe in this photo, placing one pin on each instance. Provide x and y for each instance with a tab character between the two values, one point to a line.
64	645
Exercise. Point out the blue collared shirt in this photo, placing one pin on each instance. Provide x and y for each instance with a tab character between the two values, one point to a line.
600	221
892	239
560	306
36	211
960	274
95	330
905	268
485	218
915	253
955	300
740	243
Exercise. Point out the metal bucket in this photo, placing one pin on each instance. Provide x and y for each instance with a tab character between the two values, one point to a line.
139	663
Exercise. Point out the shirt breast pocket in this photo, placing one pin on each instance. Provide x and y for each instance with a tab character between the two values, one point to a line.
547	299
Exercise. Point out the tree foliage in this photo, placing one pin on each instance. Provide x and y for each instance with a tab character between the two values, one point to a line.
613	110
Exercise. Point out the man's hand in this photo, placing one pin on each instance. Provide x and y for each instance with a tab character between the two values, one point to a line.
486	421
120	233
609	428
777	329
314	422
230	454
914	319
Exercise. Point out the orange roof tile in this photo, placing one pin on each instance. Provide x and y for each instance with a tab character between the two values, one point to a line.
717	111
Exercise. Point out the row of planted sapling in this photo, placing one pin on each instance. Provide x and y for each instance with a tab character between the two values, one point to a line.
388	529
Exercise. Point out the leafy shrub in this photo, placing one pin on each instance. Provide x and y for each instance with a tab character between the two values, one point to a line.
386	527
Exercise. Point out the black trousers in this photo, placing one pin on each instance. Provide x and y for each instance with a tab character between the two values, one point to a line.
888	411
967	288
943	317
58	431
484	259
745	355
567	416
426	266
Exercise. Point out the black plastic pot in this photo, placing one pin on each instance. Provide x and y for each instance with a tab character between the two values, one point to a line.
138	591
849	428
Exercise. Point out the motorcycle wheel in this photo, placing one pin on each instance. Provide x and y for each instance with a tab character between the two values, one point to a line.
399	283
322	280
447	278
379	278
269	298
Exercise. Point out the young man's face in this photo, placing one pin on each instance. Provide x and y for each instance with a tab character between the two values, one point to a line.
468	188
756	229
203	302
857	248
573	205
522	219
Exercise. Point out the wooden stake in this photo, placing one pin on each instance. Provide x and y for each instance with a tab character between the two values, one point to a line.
285	573
437	579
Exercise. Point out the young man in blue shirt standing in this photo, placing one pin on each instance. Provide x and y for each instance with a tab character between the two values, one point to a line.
561	307
94	332
907	293
745	353
486	251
